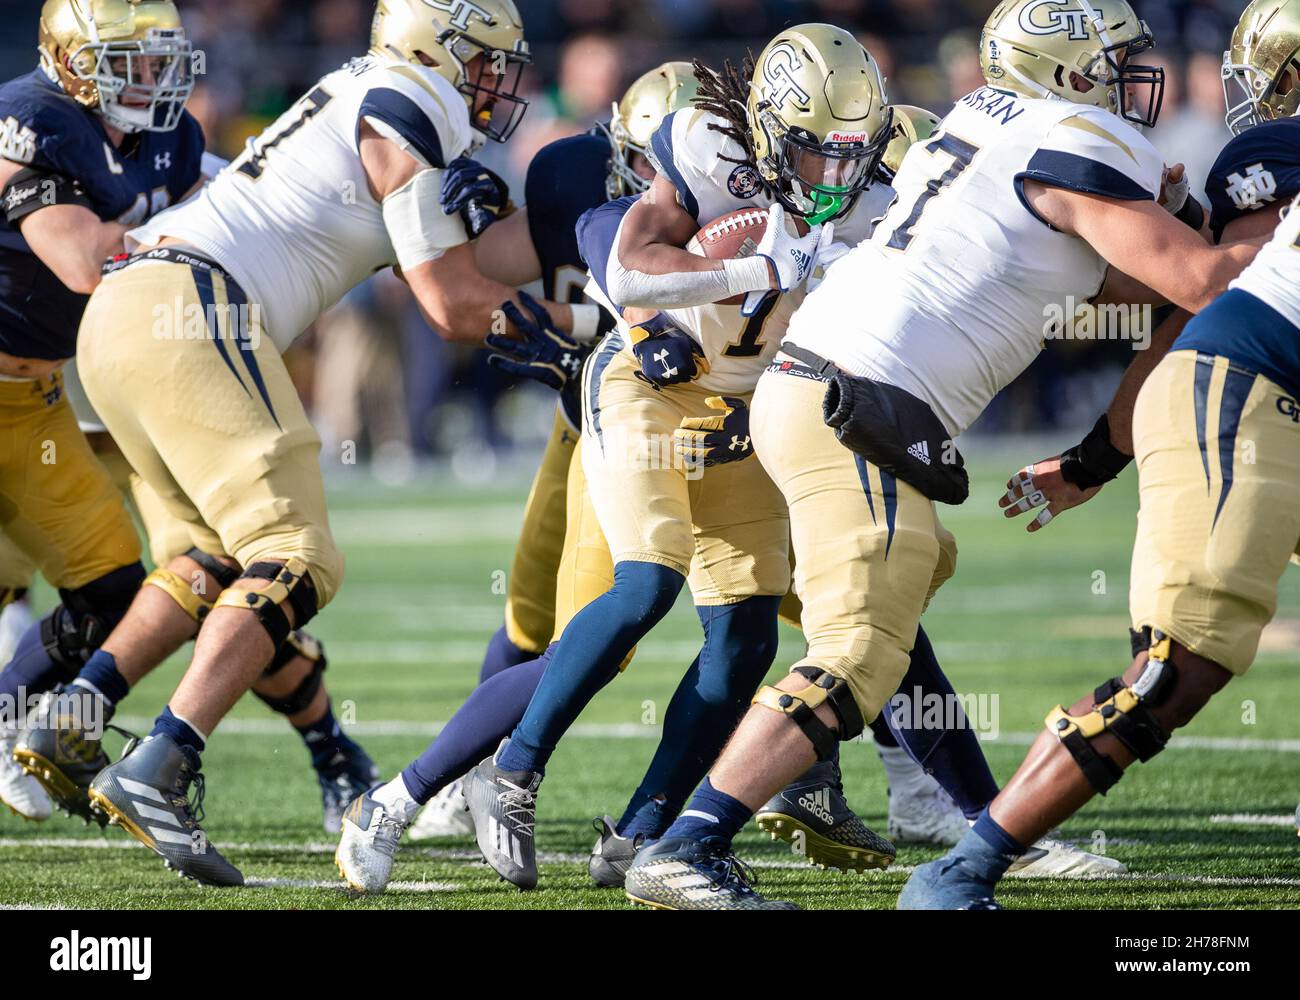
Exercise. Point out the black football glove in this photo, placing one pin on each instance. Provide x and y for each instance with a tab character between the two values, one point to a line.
479	195
667	354
545	354
708	441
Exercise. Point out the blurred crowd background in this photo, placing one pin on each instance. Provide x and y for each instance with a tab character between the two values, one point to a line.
374	374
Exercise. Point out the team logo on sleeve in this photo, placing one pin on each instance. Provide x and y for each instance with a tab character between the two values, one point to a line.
1257	187
1047	17
744	182
17	142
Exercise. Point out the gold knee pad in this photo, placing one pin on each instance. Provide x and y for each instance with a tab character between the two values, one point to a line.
1122	710
802	705
181	591
278	584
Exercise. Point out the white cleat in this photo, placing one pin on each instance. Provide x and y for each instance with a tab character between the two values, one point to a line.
925	816
21	792
1056	859
367	843
446	815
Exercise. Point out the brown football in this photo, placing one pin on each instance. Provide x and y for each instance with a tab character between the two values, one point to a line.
730	236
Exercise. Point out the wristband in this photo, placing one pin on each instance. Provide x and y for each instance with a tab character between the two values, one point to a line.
1192	213
1094	460
747	274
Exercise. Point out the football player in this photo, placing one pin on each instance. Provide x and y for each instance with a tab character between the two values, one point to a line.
106	134
1031	186
564	180
179	353
695	363
1215	531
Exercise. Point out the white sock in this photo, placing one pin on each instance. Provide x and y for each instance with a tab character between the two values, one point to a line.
396	798
906	776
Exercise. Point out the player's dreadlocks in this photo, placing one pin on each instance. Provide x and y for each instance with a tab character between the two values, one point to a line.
726	95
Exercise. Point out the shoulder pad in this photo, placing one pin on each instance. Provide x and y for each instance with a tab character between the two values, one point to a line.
419	110
1093	151
691	154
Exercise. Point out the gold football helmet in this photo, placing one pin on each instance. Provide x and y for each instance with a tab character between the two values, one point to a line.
818	118
1263	60
651	99
127	60
911	125
447	35
1073	50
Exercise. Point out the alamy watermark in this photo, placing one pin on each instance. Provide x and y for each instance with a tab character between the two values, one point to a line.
1081	320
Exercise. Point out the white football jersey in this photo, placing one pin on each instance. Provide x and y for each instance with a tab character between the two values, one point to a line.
292	218
696	159
952	296
1273	276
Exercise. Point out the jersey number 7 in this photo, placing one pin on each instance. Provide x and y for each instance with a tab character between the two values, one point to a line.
253	159
962	152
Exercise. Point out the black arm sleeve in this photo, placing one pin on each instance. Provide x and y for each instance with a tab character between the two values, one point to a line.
32	189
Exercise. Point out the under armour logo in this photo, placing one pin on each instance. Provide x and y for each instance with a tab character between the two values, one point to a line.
662	358
569	362
738	443
163	161
1256	188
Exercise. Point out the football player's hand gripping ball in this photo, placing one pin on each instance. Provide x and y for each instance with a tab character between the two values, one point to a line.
544	354
791	258
479	195
709	441
667	354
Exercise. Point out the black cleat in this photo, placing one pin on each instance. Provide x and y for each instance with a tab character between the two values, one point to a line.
679	873
812	815
145	793
612	855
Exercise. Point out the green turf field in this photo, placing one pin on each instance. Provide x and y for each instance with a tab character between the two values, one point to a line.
1032	620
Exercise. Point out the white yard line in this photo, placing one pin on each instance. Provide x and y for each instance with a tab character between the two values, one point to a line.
1253	819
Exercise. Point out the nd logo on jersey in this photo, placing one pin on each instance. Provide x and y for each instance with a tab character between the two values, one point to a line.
461	11
779	72
1047	17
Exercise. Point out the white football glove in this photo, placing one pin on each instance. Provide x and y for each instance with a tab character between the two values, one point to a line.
792	257
1174	193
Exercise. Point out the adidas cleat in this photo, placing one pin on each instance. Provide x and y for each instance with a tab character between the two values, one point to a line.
925	815
445	815
684	874
1057	859
812	815
145	793
61	747
367	844
22	793
342	780
612	854
503	806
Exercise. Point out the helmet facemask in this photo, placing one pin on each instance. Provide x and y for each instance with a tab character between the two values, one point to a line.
142	84
495	107
1263	98
1125	77
623	178
821	181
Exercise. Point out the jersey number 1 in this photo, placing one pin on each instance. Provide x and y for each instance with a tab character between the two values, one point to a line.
962	152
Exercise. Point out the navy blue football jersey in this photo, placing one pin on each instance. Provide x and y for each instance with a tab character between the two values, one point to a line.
564	180
41	127
1259	168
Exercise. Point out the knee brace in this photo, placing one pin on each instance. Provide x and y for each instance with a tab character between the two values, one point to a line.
78	626
279	584
193	602
1122	710
802	705
296	644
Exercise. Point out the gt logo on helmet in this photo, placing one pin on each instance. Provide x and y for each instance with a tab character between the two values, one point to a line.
461	11
1057	18
778	71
